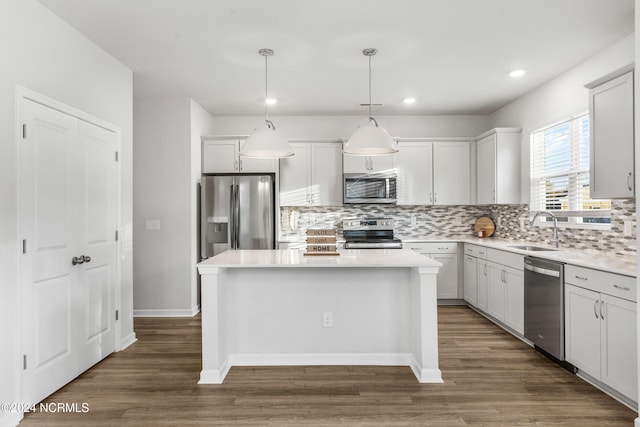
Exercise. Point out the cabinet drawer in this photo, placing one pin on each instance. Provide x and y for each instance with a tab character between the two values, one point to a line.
600	281
506	258
471	250
433	248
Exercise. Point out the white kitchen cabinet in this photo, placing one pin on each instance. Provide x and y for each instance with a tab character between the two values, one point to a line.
452	173
600	329
223	156
367	164
437	172
483	284
447	254
498	166
471	279
612	136
313	176
505	288
415	175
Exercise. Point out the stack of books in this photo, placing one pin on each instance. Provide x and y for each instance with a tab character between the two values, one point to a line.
321	241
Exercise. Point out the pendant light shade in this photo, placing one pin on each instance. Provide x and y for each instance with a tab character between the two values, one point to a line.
266	142
370	139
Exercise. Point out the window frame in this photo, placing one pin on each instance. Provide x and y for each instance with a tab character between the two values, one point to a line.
574	217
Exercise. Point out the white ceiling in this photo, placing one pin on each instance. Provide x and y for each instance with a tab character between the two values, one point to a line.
453	55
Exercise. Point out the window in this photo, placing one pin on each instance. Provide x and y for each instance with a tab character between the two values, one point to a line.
560	175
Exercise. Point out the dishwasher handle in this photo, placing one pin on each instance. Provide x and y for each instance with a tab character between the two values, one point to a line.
540	270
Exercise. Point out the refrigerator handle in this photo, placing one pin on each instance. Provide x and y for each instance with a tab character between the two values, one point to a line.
236	207
232	222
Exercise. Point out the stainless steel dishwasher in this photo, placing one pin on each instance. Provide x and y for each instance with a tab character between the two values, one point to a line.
544	307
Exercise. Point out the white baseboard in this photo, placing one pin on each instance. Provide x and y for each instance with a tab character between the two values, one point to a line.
215	376
10	419
277	359
166	312
127	341
636	423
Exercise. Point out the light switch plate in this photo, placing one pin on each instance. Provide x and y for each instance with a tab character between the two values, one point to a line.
152	224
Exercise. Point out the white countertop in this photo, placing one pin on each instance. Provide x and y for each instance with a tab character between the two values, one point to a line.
598	260
619	264
369	258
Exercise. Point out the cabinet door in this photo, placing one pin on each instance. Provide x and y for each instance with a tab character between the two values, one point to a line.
514	313
582	329
486	170
252	164
415	186
367	164
220	156
483	284
295	174
451	173
383	163
619	367
471	280
447	275
612	124
496	291
326	174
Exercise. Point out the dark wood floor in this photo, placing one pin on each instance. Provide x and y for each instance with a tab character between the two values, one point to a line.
491	379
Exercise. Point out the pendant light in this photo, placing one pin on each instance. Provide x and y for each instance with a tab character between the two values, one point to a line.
266	142
370	139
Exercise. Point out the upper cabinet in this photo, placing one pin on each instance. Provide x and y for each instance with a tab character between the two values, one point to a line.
367	164
498	166
223	156
313	176
434	173
611	135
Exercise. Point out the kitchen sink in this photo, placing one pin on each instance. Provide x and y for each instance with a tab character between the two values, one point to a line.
531	248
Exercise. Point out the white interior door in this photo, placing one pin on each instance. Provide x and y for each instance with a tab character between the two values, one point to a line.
96	234
67	206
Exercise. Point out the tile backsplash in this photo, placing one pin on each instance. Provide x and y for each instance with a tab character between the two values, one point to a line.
427	222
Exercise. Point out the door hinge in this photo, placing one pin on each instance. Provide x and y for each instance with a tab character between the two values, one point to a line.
24	362
116	235
24	246
117	314
116	156
24	131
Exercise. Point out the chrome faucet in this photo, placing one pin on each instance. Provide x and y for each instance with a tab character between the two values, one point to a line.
555	225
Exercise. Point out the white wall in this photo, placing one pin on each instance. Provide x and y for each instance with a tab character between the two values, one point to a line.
559	98
344	126
167	169
43	53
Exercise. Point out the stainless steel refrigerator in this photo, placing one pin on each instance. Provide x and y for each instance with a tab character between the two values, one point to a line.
236	212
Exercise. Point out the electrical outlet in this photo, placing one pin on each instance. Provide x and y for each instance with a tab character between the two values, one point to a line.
628	227
152	224
327	319
458	220
522	224
414	220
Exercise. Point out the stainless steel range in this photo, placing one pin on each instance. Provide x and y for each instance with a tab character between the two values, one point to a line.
370	233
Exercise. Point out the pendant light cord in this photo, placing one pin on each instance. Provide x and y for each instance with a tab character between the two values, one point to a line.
266	90
370	118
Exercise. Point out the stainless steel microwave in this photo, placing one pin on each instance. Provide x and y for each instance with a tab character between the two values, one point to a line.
369	188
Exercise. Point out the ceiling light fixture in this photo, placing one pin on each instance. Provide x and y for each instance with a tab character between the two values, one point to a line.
271	101
266	142
517	73
370	139
409	100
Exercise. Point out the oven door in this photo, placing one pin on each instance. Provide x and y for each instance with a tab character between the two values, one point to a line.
369	188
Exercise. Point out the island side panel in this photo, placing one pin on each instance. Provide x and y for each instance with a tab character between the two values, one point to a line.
276	316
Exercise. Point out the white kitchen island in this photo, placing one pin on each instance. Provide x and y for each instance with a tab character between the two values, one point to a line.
278	307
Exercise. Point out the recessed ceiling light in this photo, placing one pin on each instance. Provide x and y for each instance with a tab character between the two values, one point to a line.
517	73
270	101
409	100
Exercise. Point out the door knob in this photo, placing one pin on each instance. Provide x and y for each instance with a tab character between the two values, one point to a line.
87	258
77	260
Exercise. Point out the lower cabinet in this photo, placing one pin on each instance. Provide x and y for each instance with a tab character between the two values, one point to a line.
483	284
505	289
471	280
600	338
447	254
